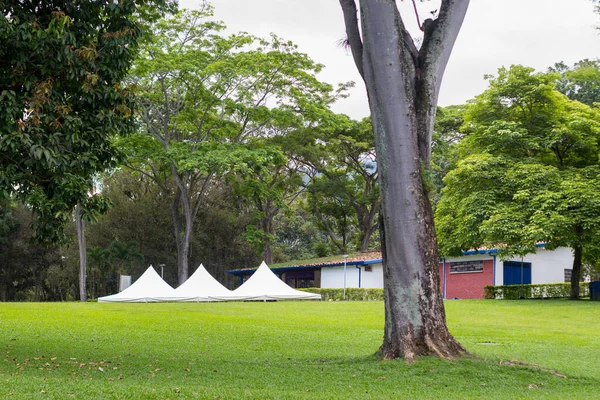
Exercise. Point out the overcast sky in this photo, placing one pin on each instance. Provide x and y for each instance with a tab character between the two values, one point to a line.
495	33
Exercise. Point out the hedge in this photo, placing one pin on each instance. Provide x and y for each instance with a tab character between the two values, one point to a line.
540	291
355	294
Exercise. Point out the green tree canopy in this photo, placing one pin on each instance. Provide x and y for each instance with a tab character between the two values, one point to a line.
208	101
529	171
342	193
61	68
581	82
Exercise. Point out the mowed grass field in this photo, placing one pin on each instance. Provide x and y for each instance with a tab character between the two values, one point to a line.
291	350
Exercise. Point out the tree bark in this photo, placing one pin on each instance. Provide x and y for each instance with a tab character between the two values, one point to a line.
402	86
366	224
82	254
182	230
576	272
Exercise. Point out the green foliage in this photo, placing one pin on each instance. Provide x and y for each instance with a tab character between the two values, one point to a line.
352	294
257	238
581	82
447	133
141	213
285	349
25	264
343	193
321	249
529	170
297	236
105	264
61	68
539	291
211	106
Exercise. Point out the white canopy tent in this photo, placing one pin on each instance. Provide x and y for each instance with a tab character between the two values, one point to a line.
149	287
265	285
201	286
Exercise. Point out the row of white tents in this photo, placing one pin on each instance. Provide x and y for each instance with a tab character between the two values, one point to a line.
263	285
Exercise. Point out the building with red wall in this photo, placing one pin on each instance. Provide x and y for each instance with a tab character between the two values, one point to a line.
460	277
466	279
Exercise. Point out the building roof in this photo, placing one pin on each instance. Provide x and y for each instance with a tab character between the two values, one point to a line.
355	260
360	259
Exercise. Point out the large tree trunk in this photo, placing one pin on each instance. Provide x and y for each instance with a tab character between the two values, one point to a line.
576	272
82	254
403	85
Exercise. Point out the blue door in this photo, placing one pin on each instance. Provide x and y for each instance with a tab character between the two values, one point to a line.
517	273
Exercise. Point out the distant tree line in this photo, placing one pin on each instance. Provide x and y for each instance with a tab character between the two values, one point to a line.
232	155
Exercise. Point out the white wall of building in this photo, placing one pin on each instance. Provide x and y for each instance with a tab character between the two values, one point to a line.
372	279
547	266
333	277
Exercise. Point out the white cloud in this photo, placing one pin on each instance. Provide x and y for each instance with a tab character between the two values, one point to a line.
495	33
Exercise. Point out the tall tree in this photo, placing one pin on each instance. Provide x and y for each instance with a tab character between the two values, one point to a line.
529	173
403	84
80	225
61	67
204	97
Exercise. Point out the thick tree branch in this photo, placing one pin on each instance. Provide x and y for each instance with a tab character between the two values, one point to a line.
354	40
439	37
438	41
410	45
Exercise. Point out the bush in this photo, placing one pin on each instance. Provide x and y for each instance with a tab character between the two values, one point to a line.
540	291
354	294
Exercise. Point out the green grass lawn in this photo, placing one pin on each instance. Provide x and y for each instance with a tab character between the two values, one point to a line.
522	349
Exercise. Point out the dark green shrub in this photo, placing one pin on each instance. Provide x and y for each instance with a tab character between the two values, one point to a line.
354	294
539	291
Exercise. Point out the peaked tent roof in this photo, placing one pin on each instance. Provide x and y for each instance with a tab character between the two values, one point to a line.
201	286
265	285
149	287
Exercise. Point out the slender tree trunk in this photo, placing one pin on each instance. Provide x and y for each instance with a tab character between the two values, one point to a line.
364	240
576	272
268	227
366	226
402	86
267	255
182	231
82	254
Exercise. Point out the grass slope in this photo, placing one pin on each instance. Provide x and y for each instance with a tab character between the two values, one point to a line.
291	350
